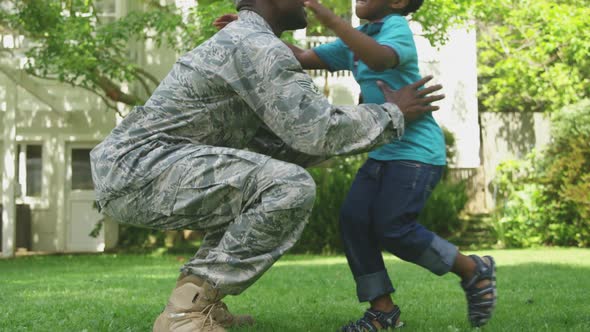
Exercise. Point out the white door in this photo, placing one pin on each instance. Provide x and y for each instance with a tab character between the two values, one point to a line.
82	215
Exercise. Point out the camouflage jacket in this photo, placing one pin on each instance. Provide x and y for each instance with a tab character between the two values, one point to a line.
241	89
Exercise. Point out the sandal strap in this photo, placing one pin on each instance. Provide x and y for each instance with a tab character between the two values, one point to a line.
385	319
482	272
479	308
365	324
360	325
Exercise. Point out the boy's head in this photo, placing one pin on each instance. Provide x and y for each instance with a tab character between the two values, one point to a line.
377	9
413	6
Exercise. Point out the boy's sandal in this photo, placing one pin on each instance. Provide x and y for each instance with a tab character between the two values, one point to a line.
387	320
480	305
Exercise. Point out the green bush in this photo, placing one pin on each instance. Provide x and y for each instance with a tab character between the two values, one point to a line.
447	200
441	213
545	199
322	234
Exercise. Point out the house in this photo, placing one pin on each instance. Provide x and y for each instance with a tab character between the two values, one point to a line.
48	130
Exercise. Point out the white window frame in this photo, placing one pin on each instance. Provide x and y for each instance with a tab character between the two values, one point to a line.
70	146
36	202
106	17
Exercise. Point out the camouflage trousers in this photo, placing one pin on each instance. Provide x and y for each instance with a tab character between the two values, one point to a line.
253	208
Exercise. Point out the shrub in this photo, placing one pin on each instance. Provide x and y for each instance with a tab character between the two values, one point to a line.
545	199
441	213
447	200
322	234
442	210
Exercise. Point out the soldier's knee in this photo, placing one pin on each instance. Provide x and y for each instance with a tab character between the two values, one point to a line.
303	182
309	187
295	183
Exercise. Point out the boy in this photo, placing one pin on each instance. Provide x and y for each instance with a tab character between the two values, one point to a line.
391	188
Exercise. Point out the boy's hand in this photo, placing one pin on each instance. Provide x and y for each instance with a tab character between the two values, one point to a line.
411	101
224	20
323	14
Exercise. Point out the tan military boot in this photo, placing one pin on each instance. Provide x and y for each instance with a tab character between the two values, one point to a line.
220	313
191	308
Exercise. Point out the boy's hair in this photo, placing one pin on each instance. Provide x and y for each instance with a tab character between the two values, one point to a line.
413	5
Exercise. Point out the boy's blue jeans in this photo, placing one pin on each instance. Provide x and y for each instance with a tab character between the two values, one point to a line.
380	212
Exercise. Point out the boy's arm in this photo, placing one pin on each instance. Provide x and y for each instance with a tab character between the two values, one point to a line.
307	58
378	57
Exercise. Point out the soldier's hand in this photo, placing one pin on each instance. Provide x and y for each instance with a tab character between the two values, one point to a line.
411	101
224	20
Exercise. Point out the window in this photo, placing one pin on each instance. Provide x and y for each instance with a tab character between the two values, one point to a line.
29	170
81	171
106	10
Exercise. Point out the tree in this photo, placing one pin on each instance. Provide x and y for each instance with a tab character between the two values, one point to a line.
70	43
533	54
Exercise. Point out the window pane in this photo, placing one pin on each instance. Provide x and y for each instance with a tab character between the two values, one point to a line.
81	173
34	169
105	7
106	10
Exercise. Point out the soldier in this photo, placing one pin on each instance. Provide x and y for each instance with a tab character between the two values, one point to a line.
221	147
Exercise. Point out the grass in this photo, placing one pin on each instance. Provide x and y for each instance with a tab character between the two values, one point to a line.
539	290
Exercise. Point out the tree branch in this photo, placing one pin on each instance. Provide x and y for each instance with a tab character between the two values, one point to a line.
105	100
148	75
114	92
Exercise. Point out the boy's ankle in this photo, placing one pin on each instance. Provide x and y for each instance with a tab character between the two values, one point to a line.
383	303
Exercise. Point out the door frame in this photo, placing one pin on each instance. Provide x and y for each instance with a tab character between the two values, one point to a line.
69	193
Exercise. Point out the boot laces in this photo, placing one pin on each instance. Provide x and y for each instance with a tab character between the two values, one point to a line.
208	312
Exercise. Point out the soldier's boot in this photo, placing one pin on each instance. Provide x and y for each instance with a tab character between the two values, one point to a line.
220	313
191	308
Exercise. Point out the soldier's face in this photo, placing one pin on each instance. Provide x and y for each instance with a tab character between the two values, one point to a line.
292	14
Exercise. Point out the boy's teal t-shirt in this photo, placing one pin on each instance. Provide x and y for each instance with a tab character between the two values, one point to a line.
423	140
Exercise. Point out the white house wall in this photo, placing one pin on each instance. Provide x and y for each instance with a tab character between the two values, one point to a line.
82	118
454	65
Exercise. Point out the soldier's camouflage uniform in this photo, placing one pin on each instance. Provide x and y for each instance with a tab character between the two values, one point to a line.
221	147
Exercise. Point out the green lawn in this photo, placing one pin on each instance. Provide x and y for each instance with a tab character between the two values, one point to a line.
539	290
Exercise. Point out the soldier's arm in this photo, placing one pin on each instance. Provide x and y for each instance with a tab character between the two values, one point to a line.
275	86
266	142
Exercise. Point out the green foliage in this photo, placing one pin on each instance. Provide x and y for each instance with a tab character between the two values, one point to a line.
441	213
442	210
438	16
69	42
341	8
545	199
435	16
447	200
533	54
541	289
322	234
519	221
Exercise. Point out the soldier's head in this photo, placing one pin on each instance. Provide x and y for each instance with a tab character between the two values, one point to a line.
282	14
377	9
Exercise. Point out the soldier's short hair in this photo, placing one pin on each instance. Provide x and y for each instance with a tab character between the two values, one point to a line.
244	3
